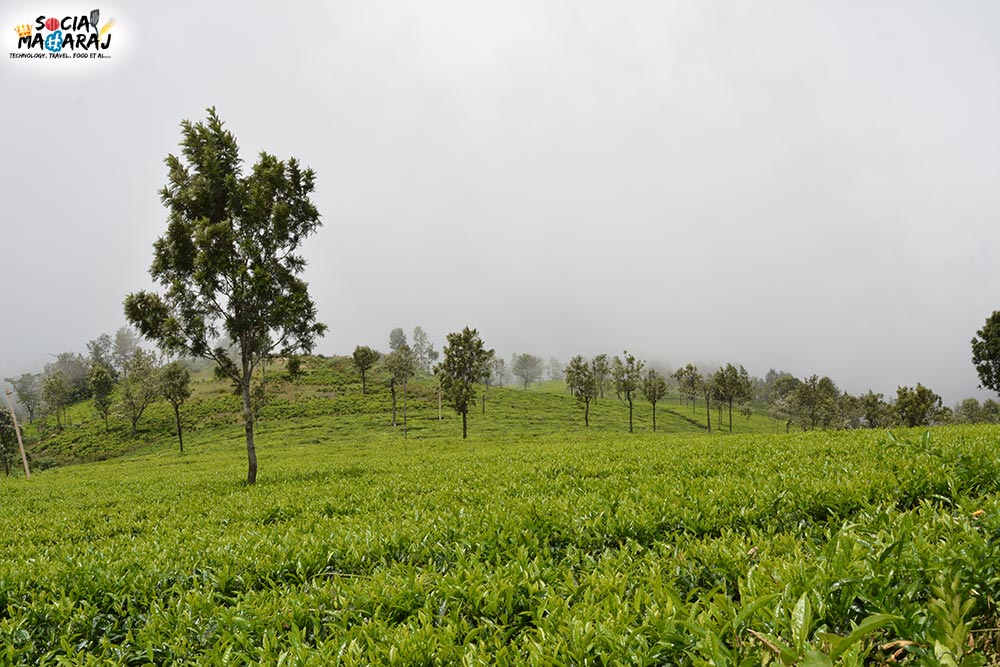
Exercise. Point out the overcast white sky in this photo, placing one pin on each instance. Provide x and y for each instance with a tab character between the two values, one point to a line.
805	186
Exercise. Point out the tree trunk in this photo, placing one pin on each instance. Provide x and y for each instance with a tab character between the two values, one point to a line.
404	410
708	411
465	429
248	426
654	417
730	415
485	389
586	412
439	403
177	416
392	390
630	414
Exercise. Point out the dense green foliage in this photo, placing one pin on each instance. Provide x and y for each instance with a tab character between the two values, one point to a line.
986	352
595	549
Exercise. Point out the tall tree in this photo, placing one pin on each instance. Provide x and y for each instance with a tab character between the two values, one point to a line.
396	339
918	406
733	384
465	362
228	261
986	353
364	358
601	368
689	382
139	385
627	375
654	388
28	387
102	385
175	386
402	365
582	383
527	367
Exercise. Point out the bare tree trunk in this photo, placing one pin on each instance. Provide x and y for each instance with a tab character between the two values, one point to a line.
730	415
654	417
586	412
465	430
248	426
630	414
439	403
404	410
392	390
177	416
708	410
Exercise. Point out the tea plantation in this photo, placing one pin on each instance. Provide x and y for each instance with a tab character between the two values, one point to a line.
535	541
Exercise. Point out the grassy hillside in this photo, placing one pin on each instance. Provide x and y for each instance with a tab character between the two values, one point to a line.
356	547
328	397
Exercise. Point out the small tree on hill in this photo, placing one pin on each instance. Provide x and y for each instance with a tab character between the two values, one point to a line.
601	368
102	384
396	339
487	377
582	384
175	386
402	365
99	351
364	358
139	386
689	382
654	388
228	261
627	375
733	384
124	346
527	367
28	388
465	363
56	394
294	367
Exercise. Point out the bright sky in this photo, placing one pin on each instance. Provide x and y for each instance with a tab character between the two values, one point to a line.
805	186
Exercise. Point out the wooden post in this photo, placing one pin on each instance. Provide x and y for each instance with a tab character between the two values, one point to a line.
20	443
